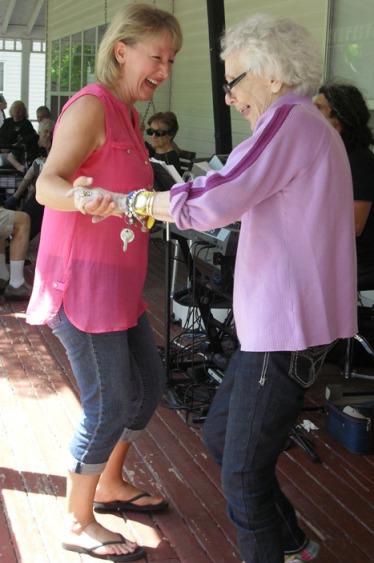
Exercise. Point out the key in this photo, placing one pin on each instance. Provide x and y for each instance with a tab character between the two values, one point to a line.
127	235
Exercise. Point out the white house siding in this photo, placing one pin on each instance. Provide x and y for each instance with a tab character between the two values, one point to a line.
12	76
66	17
36	84
191	87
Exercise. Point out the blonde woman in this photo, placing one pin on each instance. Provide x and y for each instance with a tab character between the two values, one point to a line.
89	282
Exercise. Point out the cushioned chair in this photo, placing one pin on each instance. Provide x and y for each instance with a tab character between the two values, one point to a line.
186	159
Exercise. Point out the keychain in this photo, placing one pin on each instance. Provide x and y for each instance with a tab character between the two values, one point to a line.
127	235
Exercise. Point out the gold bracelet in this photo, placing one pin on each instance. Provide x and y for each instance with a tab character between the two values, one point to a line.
151	200
143	203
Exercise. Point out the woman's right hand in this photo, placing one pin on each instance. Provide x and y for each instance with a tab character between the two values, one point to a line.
97	202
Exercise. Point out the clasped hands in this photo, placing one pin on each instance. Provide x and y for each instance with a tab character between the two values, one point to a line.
98	202
101	203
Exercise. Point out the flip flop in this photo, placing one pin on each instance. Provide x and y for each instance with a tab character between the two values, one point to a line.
129	505
139	552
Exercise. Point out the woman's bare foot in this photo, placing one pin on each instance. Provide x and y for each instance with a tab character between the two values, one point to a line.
95	534
123	491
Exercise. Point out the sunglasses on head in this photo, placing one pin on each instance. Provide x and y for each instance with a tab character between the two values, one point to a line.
157	132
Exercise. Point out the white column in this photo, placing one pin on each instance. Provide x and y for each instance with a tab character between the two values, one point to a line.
25	73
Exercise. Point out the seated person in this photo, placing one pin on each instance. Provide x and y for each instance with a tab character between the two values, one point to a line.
18	134
43	112
344	106
26	189
3	106
163	126
14	224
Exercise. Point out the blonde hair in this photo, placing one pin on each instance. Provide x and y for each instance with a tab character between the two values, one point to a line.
20	104
130	25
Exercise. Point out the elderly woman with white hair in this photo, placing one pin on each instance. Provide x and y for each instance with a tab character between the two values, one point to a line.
294	290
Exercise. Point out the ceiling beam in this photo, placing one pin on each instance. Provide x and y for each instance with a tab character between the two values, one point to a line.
34	15
8	15
20	32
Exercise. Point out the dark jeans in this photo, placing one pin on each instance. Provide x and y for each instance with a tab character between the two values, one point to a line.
248	424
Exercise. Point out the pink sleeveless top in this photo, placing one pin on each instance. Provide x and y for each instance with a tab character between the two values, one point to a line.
82	265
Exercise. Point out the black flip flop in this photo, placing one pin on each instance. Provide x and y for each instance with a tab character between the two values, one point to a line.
129	505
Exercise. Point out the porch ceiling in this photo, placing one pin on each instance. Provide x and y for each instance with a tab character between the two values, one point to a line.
22	19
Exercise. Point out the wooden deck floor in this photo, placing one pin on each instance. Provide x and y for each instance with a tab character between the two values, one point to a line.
39	409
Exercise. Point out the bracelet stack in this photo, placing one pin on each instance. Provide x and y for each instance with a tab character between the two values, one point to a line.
139	206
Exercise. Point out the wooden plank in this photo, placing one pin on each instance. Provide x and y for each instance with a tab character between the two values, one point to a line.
335	543
335	501
198	502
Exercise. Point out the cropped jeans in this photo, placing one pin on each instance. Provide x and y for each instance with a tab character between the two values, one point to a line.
247	427
120	378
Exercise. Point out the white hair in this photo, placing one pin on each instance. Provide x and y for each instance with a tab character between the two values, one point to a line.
278	49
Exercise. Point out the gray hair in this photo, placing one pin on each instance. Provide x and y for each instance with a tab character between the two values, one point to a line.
278	49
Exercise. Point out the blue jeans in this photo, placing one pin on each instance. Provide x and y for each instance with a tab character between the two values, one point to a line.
247	427
120	378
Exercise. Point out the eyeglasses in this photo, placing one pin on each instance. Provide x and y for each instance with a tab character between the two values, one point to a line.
228	86
157	132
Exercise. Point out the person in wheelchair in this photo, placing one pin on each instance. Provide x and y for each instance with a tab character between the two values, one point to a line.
18	138
162	128
344	106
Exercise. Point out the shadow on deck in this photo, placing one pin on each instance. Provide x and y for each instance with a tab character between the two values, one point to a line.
39	409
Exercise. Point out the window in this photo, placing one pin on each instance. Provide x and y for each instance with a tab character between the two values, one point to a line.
76	62
72	63
100	32
65	64
1	76
89	52
351	45
55	66
38	47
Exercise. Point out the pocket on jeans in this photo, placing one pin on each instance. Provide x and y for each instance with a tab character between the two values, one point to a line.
306	364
